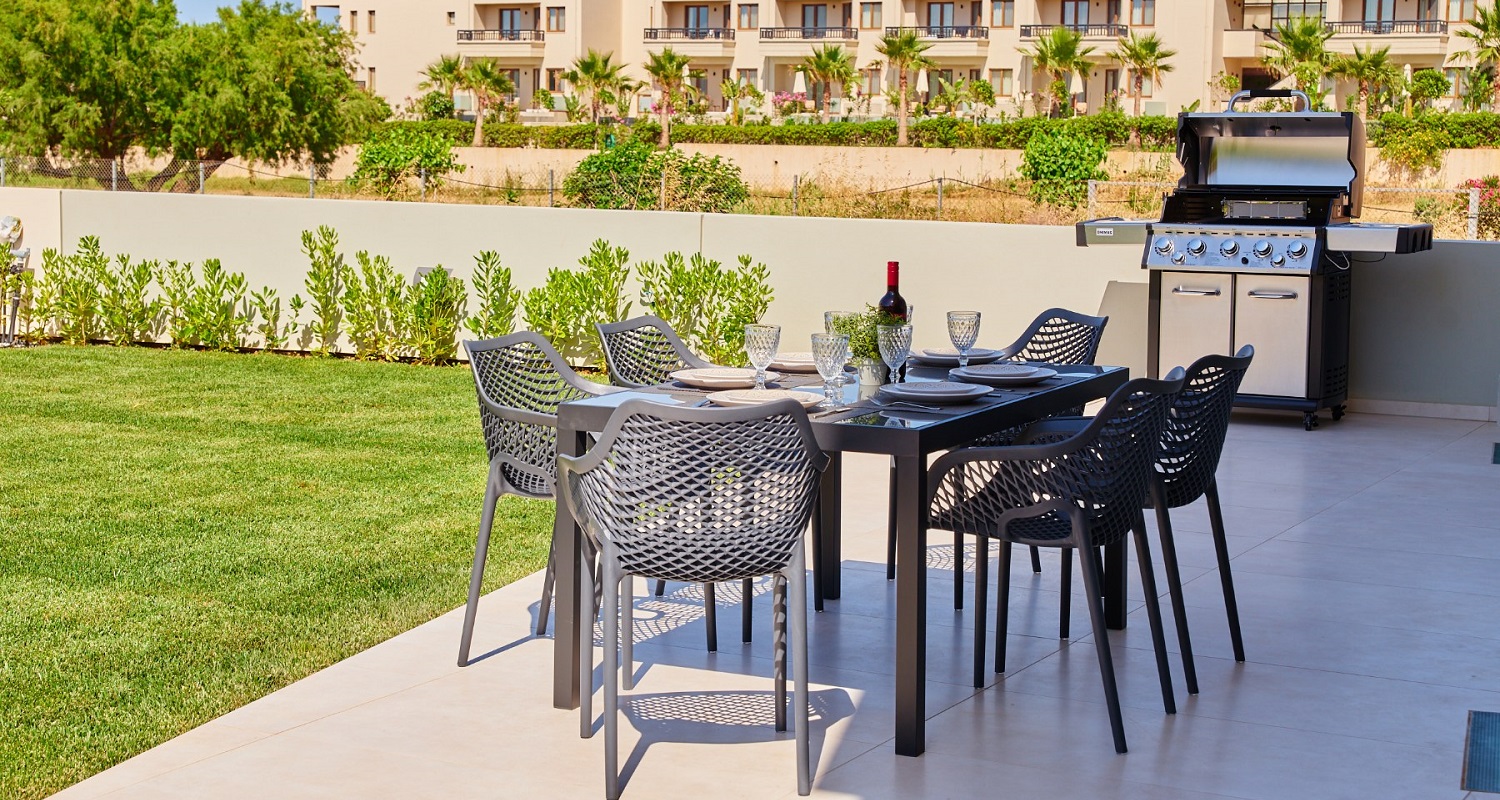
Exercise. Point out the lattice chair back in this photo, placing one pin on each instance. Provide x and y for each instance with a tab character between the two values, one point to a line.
521	380
698	494
644	351
1060	336
1100	473
1193	438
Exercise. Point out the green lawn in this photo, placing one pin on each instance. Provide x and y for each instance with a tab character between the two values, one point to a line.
183	532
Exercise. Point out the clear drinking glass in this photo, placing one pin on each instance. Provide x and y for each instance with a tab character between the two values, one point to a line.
761	342
831	324
963	330
830	351
895	346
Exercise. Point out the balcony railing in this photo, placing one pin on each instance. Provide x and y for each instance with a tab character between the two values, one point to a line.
688	34
1111	30
809	33
1389	26
943	32
501	36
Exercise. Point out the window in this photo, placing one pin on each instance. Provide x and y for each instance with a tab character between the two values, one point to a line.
1075	12
510	19
1429	9
870	16
515	81
1112	12
869	82
1146	87
556	18
846	18
370	80
1380	10
354	22
749	17
974	74
1003	13
452	18
1287	10
748	77
1461	10
939	15
554	80
815	17
697	17
370	21
1455	82
1142	12
1111	81
1004	82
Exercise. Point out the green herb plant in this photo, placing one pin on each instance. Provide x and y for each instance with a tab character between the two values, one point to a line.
864	344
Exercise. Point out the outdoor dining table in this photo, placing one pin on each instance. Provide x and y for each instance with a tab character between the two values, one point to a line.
906	434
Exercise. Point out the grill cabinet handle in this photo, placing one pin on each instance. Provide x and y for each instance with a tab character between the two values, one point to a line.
1263	294
1252	94
1197	292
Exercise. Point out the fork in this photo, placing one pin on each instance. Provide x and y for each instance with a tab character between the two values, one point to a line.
904	403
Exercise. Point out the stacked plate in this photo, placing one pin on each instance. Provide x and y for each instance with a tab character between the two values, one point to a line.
754	397
794	362
719	377
942	393
1002	374
948	356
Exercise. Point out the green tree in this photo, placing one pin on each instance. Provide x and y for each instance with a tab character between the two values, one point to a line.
1299	49
904	53
443	75
1426	86
489	85
1371	69
828	65
105	80
668	70
595	75
1483	33
1146	59
1061	54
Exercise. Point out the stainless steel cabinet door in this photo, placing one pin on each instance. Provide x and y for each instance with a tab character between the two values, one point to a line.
1271	312
1197	317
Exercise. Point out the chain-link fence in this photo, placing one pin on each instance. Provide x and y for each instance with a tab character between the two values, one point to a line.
1453	213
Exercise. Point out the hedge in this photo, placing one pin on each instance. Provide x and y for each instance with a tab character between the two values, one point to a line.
1447	131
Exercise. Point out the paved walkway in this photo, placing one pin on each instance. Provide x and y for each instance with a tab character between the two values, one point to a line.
1367	557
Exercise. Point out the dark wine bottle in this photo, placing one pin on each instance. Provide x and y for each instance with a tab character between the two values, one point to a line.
893	303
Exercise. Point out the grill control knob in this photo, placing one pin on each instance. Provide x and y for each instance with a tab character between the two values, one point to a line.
1196	247
1262	249
1178	258
1278	261
1297	249
1229	247
1163	245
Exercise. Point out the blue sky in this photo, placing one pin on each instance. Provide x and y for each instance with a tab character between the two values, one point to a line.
199	10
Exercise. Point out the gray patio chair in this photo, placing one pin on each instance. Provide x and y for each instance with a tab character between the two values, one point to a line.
1081	493
520	380
697	495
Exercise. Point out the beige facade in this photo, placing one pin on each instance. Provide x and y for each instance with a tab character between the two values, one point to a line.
762	40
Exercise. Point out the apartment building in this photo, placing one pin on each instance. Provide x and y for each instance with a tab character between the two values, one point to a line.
760	41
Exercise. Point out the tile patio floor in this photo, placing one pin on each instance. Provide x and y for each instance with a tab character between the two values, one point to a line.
1367	558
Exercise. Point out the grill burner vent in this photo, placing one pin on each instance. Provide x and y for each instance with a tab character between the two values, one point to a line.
1265	209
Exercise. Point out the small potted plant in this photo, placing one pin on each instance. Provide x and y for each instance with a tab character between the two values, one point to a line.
864	347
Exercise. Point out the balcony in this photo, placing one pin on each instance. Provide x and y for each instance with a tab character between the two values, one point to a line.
1409	37
502	43
693	42
1100	31
797	41
949	41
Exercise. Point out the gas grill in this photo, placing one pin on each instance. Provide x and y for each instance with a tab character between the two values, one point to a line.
1254	247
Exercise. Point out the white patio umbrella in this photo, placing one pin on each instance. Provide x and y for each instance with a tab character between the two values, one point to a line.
922	82
799	82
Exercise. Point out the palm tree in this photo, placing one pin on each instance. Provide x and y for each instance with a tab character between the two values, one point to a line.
903	52
828	65
1484	32
668	70
489	86
621	92
952	96
1146	59
443	74
1061	55
1370	68
594	74
1299	49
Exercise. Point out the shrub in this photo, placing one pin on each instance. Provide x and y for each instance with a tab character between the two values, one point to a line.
176	281
435	106
325	286
267	306
372	303
637	176
457	132
127	312
1489	204
434	308
216	314
69	292
567	307
498	299
1428	85
708	305
391	162
1059	166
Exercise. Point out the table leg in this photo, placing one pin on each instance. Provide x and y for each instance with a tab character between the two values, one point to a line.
911	605
566	678
1115	582
830	504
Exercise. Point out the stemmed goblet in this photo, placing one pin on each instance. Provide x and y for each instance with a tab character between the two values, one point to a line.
963	330
829	353
895	346
833	321
761	342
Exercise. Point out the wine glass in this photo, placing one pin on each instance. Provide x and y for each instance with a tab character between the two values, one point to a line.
895	346
833	322
760	345
829	351
963	330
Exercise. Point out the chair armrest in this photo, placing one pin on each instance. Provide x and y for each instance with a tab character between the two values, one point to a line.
1034	466
1052	430
517	414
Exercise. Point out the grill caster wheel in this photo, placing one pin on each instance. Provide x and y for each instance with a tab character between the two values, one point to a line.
1338	413
1309	421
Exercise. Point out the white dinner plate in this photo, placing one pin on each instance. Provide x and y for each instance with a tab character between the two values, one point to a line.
935	392
719	377
794	362
948	356
754	397
1002	374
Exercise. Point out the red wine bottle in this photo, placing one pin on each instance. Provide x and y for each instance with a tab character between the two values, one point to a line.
893	303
